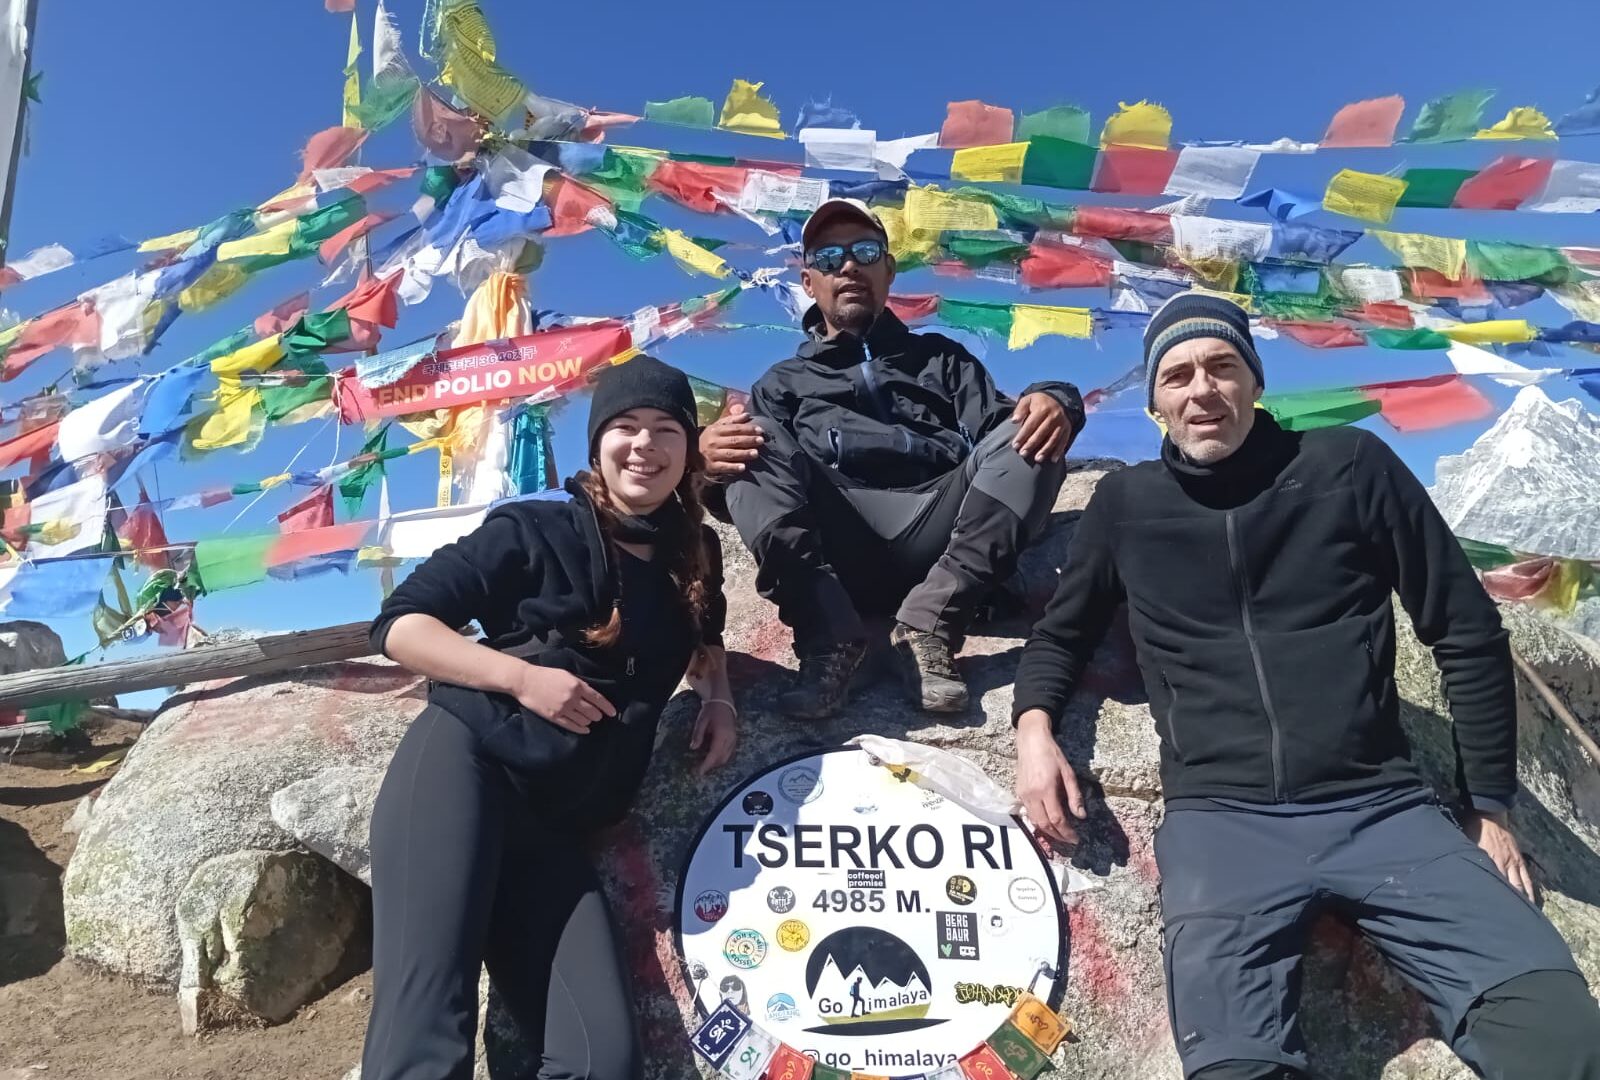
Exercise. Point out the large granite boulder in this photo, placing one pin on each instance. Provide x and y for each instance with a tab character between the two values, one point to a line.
199	784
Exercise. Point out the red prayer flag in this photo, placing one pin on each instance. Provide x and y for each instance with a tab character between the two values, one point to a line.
8	277
76	323
1396	316
1520	581
315	511
338	6
309	543
1366	123
29	444
972	123
1133	170
788	1064
448	134
1319	335
1110	223
1504	184
334	246
696	186
1425	404
910	308
1432	285
143	532
597	122
328	149
373	300
12	521
570	205
1062	266
283	316
377	179
984	1064
172	628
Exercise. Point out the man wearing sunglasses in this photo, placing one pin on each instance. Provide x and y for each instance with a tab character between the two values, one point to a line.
881	472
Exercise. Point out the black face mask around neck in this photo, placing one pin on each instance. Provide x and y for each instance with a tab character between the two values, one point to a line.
648	528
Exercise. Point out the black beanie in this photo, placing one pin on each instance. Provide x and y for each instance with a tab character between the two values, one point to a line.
1191	315
641	383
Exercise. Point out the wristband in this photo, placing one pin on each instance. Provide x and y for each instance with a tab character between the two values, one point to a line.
721	701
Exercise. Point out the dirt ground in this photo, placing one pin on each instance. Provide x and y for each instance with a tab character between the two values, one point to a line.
58	1020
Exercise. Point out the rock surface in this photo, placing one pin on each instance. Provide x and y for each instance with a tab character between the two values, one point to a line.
26	645
198	784
331	813
261	931
1360	1019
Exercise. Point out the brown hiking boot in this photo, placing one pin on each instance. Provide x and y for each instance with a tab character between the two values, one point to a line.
928	669
823	682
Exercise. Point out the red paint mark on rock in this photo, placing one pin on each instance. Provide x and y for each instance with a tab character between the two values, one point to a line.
1091	961
648	943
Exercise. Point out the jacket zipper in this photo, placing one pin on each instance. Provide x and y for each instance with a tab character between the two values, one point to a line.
1243	584
872	386
1172	715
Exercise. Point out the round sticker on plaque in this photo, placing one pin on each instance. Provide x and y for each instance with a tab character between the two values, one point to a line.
880	961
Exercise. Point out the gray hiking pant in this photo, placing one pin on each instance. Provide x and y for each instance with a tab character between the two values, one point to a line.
1240	890
827	553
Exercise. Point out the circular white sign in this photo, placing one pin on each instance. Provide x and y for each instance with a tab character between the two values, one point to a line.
864	921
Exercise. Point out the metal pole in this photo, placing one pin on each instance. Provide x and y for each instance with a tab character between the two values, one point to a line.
15	149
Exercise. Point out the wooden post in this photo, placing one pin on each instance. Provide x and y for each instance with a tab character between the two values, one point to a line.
256	656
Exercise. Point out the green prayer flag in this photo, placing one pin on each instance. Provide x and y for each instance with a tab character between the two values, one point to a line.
976	316
1066	122
1137	251
232	343
709	400
623	178
230	561
62	716
704	159
827	1072
1491	260
355	484
1018	210
1449	118
314	333
384	101
319	225
1486	556
1319	306
1433	187
982	250
30	88
635	234
1061	163
439	181
280	401
1419	338
1319	408
688	111
1019	1053
251	487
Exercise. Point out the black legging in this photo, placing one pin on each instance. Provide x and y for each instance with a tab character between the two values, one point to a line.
464	874
1539	1026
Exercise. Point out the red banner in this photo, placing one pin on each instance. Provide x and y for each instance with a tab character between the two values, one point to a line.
545	363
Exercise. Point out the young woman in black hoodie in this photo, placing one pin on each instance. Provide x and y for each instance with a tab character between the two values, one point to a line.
593	604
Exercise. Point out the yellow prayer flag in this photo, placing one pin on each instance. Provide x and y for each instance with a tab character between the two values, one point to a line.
1445	254
273	481
274	241
691	256
1582	298
171	241
1030	322
233	420
931	210
9	336
1140	124
1522	122
220	281
470	67
352	76
1244	301
990	164
1492	332
1368	196
257	356
905	242
748	112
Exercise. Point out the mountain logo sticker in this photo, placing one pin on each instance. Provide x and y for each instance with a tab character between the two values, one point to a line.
865	981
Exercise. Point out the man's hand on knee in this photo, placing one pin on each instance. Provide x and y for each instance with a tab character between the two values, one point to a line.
1046	429
730	443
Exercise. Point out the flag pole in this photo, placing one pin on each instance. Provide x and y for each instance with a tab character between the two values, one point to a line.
14	151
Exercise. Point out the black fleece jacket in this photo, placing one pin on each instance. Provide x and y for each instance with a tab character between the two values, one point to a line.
534	576
1258	594
889	409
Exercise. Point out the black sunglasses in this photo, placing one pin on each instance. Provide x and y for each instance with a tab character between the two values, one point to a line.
830	258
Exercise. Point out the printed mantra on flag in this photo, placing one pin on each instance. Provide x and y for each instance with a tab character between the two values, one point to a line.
851	914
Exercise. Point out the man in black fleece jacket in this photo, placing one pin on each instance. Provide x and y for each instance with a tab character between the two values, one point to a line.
881	472
1257	566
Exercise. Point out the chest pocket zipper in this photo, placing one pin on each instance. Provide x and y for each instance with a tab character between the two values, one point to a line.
630	666
1172	715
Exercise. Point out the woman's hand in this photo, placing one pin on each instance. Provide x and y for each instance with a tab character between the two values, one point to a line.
717	730
561	698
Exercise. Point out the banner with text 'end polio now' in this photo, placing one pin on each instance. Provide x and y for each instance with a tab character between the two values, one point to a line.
539	365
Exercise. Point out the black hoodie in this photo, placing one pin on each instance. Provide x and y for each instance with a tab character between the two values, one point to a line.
534	576
1258	593
891	409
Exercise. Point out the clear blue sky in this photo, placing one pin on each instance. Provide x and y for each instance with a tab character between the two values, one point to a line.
161	116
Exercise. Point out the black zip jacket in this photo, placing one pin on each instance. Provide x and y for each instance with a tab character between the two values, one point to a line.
534	576
891	409
1258	594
